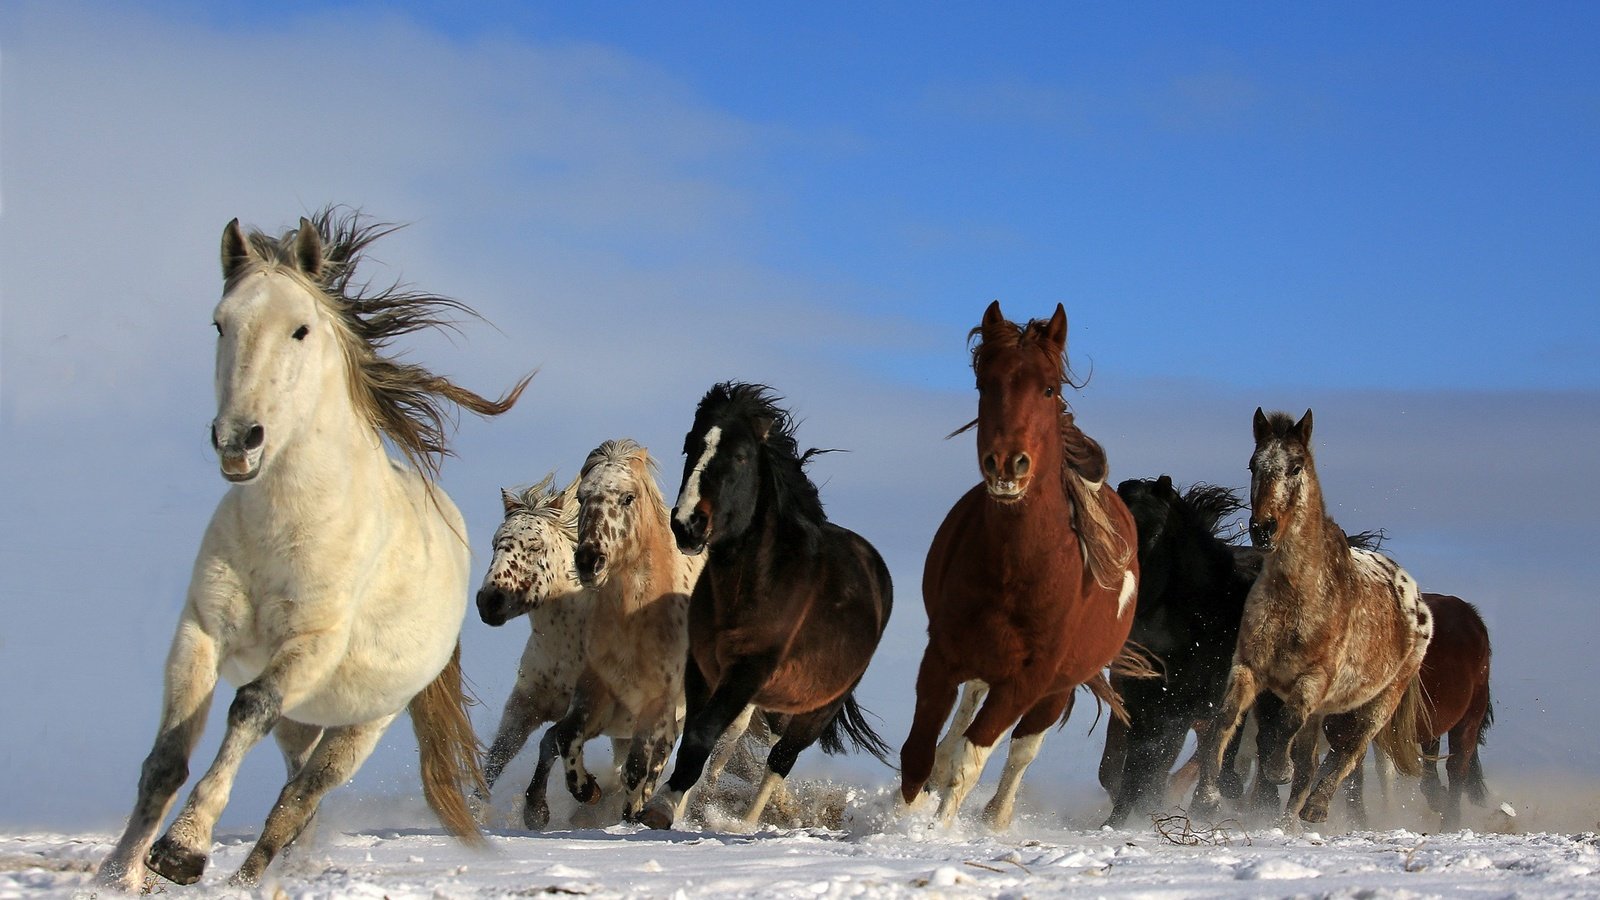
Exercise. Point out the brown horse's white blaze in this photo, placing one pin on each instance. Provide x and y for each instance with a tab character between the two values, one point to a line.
1029	581
1336	633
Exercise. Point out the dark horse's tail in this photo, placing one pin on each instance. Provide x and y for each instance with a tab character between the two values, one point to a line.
851	722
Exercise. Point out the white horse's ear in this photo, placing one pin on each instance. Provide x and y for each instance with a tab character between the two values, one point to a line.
509	500
235	249
308	249
1262	429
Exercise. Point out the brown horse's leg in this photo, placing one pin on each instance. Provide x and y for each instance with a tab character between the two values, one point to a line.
936	693
1003	707
1026	739
944	758
1349	744
1302	755
1240	694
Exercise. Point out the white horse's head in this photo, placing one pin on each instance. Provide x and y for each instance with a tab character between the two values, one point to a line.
279	353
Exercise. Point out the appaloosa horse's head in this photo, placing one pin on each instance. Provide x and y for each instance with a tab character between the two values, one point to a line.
616	494
1281	475
532	552
1020	371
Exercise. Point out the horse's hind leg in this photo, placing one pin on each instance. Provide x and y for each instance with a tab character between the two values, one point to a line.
1004	707
708	719
191	679
1026	739
936	693
297	740
801	732
517	722
1302	758
944	758
1154	740
336	757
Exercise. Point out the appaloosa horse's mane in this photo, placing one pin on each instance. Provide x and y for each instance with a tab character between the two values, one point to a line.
545	501
411	405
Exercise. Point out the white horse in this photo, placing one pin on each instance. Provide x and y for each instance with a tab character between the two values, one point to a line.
332	580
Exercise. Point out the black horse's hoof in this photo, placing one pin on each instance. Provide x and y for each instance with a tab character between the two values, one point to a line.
654	816
535	816
177	864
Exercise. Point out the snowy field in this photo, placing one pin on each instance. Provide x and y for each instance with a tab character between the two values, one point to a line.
870	852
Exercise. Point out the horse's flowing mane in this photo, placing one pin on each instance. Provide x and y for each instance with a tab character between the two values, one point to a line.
407	403
626	452
1211	505
1083	460
757	405
544	501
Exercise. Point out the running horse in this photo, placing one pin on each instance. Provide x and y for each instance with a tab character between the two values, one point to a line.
789	608
1337	633
1030	582
331	582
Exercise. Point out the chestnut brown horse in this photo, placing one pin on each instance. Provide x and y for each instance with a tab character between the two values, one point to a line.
790	606
1455	694
1337	633
1030	582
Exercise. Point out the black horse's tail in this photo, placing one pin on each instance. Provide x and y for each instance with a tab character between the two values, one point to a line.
851	722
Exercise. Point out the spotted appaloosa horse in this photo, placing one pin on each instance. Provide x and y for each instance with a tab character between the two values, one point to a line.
790	606
532	574
331	581
632	681
1337	633
1030	582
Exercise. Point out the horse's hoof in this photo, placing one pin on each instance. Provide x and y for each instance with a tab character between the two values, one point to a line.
1315	813
656	817
116	878
1204	807
244	879
535	817
176	863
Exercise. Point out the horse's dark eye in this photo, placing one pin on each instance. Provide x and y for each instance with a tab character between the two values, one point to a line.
1295	469
218	327
1049	392
627	499
301	332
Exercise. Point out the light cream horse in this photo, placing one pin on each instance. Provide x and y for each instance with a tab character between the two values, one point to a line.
632	681
331	581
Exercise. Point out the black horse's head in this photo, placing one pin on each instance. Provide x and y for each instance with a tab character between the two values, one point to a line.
1154	506
741	443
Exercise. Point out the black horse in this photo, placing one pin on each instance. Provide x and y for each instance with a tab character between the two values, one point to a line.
789	608
1192	588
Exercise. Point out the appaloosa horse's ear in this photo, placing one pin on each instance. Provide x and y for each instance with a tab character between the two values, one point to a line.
235	249
1056	331
1262	429
509	500
993	316
308	249
1303	428
1164	485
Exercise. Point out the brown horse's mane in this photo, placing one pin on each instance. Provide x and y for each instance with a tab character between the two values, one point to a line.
408	404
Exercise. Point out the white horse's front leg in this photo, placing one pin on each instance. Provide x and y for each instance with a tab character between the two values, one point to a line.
944	758
191	679
336	757
296	669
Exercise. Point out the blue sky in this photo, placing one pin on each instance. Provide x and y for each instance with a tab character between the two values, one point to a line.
1390	214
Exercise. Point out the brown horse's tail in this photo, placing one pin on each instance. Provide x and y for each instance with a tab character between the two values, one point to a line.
450	750
1398	739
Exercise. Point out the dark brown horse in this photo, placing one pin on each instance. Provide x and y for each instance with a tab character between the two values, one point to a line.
1336	633
1455	694
790	607
1031	579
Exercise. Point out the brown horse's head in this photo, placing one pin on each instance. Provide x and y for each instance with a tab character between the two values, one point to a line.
1020	371
1280	471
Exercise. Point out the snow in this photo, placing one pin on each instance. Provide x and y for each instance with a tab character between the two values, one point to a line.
875	851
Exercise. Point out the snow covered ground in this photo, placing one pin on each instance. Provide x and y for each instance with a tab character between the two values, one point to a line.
870	853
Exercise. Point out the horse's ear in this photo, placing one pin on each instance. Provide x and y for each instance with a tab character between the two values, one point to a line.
1303	428
762	426
1262	429
1056	331
235	249
308	249
993	316
509	500
1164	485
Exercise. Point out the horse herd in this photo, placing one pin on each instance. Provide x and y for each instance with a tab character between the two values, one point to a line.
331	584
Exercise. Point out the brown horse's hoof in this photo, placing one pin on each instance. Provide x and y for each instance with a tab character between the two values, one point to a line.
176	863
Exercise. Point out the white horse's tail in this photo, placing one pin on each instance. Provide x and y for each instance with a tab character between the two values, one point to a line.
450	750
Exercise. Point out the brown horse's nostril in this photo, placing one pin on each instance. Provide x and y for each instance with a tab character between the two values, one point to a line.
1021	465
991	466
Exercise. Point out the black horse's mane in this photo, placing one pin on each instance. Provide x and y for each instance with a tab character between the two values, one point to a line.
756	405
1210	505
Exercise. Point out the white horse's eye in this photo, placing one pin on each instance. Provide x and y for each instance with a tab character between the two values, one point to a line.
218	327
299	333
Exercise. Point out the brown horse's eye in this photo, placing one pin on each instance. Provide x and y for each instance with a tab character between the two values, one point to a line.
1049	392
